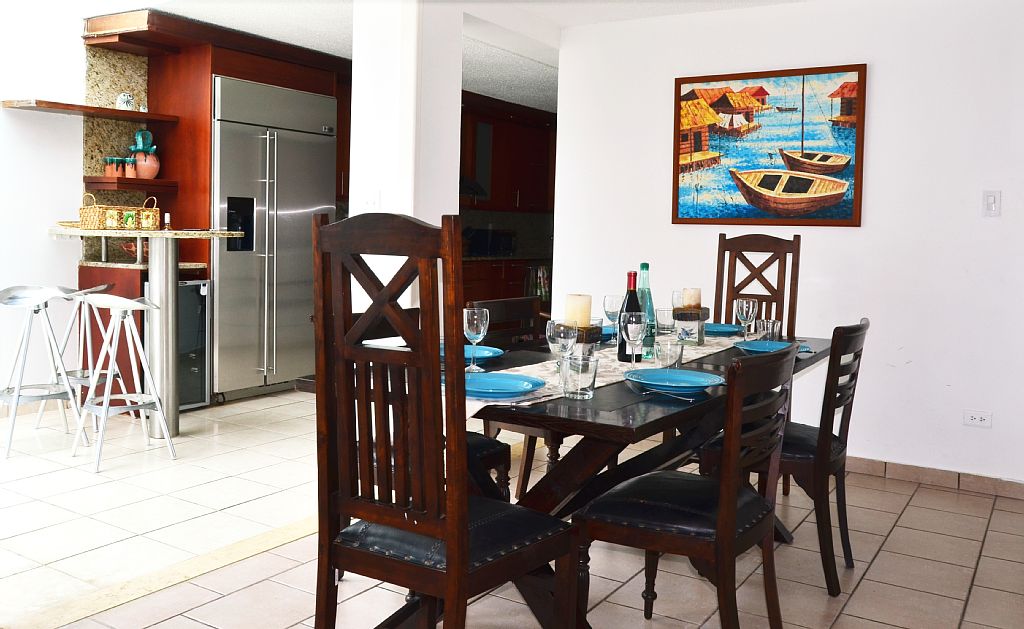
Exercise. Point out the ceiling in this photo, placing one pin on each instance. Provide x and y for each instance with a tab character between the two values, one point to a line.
496	61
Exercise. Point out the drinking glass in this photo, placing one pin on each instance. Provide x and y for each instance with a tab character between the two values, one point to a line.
634	329
474	325
611	305
745	310
677	299
561	337
666	324
768	329
667	352
579	377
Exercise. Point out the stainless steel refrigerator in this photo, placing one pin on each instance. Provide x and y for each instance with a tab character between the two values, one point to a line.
273	169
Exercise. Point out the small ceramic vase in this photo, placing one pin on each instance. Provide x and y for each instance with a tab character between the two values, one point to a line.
147	165
129	168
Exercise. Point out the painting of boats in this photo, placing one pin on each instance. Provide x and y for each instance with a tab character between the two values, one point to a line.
770	148
818	163
788	193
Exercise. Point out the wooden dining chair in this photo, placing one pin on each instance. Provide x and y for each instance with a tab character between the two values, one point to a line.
738	276
814	454
391	456
523	329
515	322
710	520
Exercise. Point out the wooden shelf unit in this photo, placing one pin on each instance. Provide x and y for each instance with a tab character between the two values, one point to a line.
69	109
130	183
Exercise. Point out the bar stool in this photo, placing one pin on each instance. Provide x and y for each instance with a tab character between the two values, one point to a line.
82	314
122	320
34	300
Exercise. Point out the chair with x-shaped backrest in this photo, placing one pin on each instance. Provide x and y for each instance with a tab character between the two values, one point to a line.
755	279
391	455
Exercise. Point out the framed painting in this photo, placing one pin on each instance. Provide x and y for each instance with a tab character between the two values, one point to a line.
770	148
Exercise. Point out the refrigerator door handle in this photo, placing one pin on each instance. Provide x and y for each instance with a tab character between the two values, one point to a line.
264	368
272	367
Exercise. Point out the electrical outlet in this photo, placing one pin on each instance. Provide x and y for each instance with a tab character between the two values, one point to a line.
977	419
992	203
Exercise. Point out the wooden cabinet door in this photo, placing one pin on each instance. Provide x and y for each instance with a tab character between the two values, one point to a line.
530	152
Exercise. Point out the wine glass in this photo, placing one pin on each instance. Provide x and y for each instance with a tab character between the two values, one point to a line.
474	325
745	310
561	337
612	304
634	329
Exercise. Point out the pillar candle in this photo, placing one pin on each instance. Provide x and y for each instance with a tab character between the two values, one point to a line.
691	298
577	309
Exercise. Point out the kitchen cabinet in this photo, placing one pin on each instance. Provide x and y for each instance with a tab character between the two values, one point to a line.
496	278
507	155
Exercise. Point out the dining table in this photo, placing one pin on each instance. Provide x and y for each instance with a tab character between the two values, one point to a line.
619	415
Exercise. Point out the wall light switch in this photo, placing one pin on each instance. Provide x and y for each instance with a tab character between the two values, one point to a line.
992	203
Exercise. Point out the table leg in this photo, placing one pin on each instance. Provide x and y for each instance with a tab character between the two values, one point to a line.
554	444
162	330
782	534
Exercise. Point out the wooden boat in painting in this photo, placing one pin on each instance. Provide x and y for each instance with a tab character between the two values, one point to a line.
781	108
788	193
818	163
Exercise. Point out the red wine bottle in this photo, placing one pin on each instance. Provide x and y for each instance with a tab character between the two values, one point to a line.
630	304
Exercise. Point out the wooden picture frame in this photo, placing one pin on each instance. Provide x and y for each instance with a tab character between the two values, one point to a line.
762	148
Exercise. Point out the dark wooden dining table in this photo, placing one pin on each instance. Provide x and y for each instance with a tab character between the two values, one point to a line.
618	416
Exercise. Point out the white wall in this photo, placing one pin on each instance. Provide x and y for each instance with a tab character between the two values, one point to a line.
41	154
941	284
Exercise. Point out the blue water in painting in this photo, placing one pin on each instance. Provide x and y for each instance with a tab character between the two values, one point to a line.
711	192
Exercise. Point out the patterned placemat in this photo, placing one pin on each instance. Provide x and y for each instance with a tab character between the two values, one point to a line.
609	370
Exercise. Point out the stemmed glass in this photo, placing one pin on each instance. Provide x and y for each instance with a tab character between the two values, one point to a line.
474	325
611	305
634	329
745	310
561	338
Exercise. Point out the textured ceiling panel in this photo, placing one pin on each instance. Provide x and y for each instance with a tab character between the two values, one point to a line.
508	76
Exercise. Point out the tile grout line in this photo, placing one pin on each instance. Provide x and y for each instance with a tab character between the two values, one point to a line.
977	562
874	558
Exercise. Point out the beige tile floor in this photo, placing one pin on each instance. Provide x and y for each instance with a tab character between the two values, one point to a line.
925	558
243	469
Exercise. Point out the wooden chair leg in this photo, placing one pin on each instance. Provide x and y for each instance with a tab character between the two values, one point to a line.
650	574
490	430
525	465
725	583
427	616
583	577
326	614
503	481
771	586
823	519
566	588
455	608
844	525
786	478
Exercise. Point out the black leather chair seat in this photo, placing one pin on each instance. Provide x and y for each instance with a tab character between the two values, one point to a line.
801	442
674	502
481	446
496	528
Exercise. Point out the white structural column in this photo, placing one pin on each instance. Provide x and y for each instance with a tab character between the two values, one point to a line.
406	108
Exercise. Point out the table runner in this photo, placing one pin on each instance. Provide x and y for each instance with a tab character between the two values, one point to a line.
609	370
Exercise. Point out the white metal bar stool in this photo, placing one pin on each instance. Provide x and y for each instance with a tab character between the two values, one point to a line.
83	315
121	321
34	300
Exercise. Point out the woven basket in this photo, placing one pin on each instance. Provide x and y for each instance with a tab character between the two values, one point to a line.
130	217
93	215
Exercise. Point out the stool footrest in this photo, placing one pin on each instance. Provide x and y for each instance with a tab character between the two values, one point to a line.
35	393
124	403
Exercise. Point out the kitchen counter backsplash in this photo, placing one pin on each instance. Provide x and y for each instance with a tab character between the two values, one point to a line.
520	235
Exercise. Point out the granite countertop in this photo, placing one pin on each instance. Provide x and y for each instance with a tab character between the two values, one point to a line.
182	266
61	231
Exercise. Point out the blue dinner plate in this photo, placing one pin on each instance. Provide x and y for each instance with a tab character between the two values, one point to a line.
763	347
483	353
722	329
498	386
674	380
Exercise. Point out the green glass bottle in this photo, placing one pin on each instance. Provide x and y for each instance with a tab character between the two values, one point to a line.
647	305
